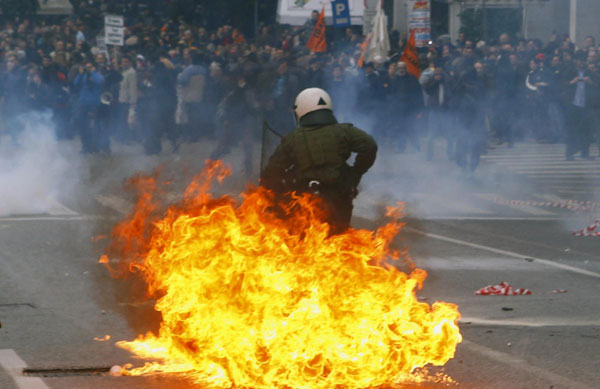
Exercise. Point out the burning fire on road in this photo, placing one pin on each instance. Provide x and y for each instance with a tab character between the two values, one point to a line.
252	300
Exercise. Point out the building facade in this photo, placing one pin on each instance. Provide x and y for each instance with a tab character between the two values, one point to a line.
536	18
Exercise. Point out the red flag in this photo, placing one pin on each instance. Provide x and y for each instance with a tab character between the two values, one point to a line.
363	50
317	42
411	57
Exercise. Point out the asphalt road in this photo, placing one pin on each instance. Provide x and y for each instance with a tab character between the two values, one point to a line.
55	298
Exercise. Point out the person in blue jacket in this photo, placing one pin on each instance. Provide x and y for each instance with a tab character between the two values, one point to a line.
89	84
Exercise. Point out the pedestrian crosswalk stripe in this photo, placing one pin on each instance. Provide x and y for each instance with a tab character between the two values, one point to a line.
559	162
493	197
116	203
448	204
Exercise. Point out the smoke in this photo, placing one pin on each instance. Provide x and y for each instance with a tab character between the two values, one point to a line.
435	188
36	171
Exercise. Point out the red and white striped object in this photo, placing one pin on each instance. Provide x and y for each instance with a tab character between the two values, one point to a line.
591	230
502	289
573	205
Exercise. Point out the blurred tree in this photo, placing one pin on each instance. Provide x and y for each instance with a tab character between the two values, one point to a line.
19	8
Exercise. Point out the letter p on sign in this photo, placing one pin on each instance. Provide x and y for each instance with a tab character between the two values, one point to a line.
339	9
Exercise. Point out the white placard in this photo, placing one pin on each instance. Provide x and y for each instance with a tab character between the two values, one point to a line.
114	20
114	30
114	35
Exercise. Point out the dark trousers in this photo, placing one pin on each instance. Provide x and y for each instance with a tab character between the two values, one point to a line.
579	127
121	130
504	116
338	209
440	124
471	141
94	137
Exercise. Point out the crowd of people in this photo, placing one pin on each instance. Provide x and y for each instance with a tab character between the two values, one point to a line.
186	83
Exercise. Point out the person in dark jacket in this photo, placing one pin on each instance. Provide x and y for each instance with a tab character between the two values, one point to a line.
237	115
438	92
37	94
539	85
312	158
473	92
579	97
12	87
278	91
408	100
162	102
507	83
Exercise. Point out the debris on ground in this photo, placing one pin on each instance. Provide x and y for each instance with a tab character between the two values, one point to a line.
502	289
591	230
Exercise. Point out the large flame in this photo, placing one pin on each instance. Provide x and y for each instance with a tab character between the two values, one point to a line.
252	300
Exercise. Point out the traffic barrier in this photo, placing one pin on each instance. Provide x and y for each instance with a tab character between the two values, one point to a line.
574	205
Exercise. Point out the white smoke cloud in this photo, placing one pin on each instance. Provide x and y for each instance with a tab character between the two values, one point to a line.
35	169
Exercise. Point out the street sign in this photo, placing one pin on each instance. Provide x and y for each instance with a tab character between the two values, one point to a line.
114	30
341	13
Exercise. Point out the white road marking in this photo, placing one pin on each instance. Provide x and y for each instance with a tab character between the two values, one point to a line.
521	364
13	365
48	218
118	204
448	204
58	209
584	178
516	218
571	191
533	322
550	197
506	253
559	173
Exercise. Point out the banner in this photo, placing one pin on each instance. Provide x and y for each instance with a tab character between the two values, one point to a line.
317	42
341	13
379	40
369	14
419	21
297	12
410	56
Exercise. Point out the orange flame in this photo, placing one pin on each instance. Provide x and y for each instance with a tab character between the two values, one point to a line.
251	300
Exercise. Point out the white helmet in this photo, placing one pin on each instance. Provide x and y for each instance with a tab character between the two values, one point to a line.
310	100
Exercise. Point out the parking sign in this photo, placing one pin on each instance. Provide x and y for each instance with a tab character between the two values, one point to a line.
341	13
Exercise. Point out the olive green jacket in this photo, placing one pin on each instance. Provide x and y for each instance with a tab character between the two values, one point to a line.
319	151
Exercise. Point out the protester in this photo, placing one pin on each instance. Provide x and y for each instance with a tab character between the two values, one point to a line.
89	84
172	75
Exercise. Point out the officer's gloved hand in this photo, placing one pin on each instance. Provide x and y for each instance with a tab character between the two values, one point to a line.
355	180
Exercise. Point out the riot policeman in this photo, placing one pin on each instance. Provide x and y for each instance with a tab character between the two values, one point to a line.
314	158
